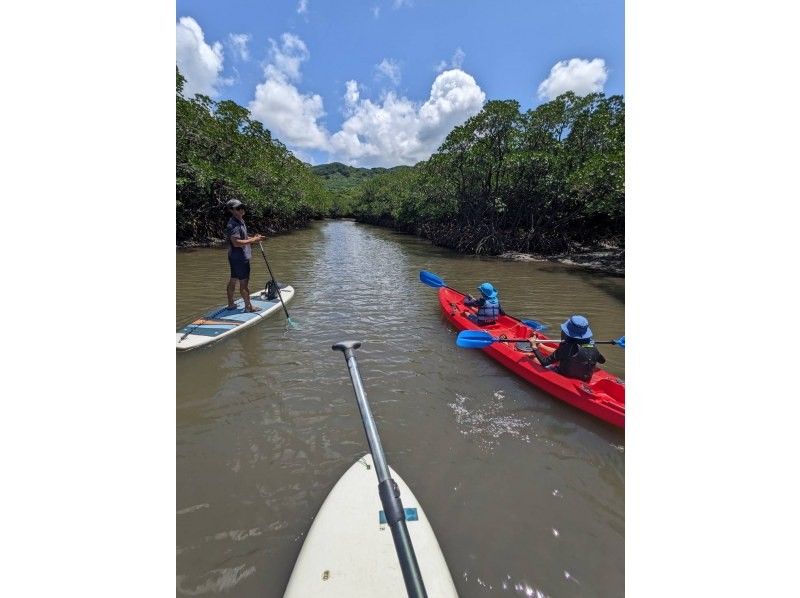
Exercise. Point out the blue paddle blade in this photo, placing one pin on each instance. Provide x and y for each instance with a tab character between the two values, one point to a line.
620	341
474	339
430	279
535	325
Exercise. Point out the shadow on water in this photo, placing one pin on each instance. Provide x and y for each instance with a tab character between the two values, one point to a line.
611	287
611	284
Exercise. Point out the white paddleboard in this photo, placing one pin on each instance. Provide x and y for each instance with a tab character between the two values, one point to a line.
222	322
349	553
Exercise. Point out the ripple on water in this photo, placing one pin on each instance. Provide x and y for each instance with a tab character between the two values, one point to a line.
522	588
193	508
216	580
488	423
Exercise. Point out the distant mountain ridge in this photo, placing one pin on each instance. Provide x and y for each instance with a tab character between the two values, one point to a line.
338	177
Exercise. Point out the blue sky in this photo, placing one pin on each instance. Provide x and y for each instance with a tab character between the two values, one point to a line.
382	82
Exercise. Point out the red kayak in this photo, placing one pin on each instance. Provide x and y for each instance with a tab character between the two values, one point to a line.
603	396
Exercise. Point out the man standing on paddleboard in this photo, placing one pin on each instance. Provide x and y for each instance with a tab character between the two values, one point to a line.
239	253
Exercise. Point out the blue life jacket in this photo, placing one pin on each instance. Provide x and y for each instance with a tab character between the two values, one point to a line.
489	311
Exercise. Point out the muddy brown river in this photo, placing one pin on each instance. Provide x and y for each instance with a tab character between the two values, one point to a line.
526	494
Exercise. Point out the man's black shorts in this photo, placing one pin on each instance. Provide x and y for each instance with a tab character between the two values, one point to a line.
240	268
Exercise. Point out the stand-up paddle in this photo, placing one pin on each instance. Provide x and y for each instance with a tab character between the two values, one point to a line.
277	289
360	543
387	488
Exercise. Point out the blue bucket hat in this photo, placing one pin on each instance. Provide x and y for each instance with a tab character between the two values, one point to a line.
487	290
577	327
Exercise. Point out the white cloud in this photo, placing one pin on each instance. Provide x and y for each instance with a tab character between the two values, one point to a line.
351	95
290	115
302	7
455	63
401	3
199	63
288	57
239	42
399	131
577	75
394	130
455	96
376	11
390	69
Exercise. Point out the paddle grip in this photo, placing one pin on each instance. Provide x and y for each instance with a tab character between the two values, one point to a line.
390	500
346	347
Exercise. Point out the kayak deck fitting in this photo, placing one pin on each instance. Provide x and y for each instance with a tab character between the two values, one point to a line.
602	396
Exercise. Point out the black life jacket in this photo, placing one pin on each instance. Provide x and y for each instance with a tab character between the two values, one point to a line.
579	362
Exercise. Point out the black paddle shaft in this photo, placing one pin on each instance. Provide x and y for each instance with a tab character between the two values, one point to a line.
387	487
280	295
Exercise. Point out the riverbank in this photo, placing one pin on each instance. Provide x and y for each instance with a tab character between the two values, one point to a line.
268	231
606	259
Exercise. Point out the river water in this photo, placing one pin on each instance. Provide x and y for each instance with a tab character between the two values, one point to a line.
526	494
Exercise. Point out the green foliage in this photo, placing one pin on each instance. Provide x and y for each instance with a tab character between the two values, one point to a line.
221	154
337	176
345	183
506	180
390	199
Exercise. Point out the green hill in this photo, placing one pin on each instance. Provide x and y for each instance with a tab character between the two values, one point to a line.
338	177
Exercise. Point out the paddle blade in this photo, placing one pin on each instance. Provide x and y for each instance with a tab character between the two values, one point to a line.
430	279
535	325
620	341
474	339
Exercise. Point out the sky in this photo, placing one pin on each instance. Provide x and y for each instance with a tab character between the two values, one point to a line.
382	82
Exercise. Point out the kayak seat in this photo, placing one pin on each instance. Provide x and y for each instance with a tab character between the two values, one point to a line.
524	347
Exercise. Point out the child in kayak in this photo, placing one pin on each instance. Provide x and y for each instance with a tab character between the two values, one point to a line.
576	356
488	305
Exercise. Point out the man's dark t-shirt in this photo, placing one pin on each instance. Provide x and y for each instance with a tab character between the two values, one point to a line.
236	229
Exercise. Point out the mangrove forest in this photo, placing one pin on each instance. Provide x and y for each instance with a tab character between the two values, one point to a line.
543	180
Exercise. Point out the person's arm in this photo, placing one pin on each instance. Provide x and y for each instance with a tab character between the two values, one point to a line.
546	360
470	301
249	241
600	358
